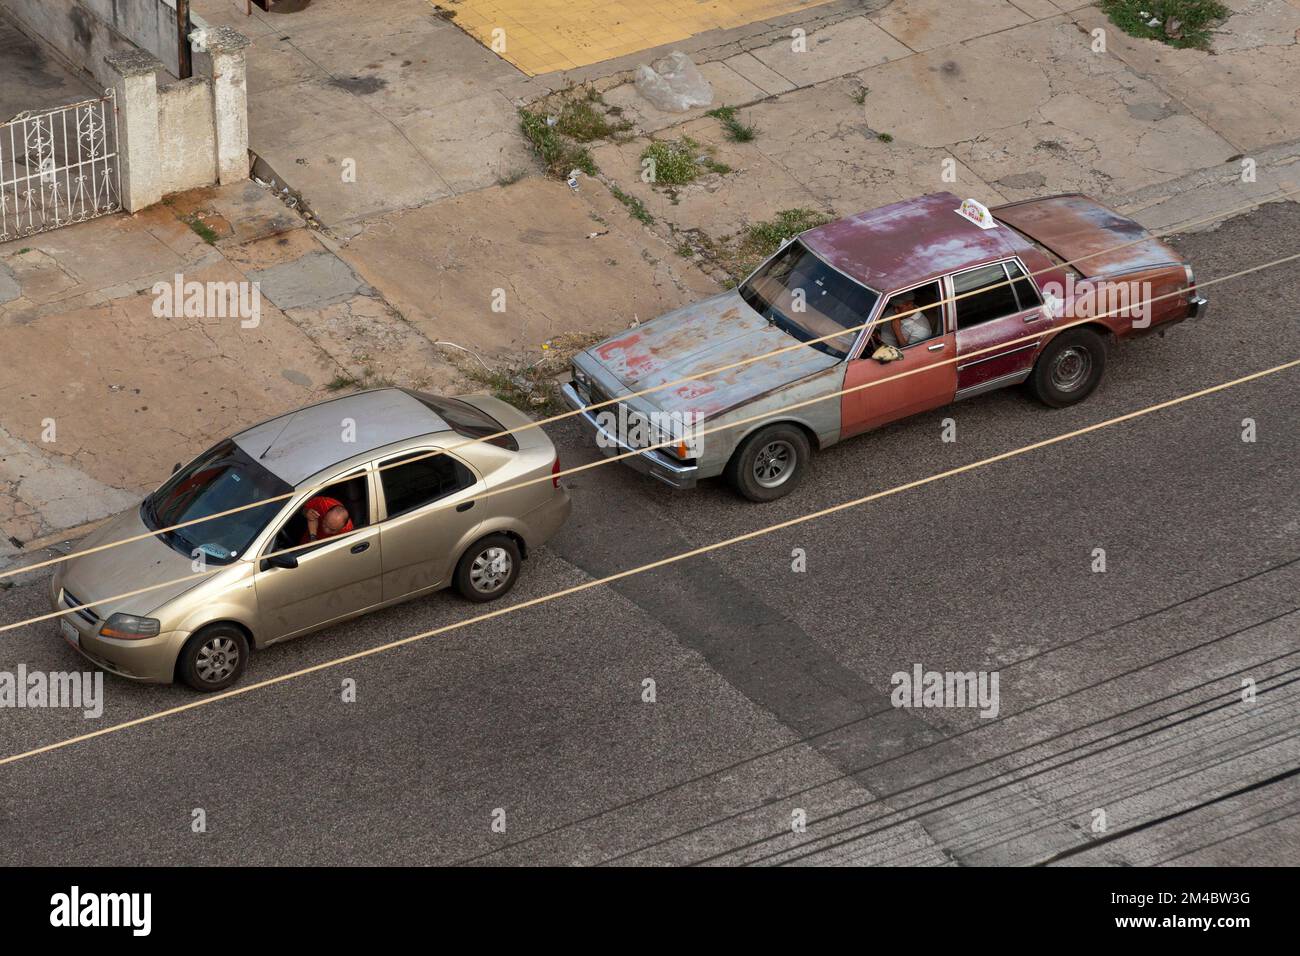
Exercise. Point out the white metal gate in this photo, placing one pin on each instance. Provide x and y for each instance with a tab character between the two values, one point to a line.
58	167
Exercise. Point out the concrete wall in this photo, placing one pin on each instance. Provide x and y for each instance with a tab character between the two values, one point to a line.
184	134
171	136
85	31
185	116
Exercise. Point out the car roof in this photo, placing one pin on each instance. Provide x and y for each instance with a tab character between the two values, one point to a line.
297	445
899	245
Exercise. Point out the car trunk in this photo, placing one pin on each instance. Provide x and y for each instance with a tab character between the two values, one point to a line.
1094	240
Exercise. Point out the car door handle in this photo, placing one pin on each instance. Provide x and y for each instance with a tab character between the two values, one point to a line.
935	348
465	506
358	548
1035	315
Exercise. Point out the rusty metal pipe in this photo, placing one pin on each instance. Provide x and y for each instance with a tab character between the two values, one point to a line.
184	58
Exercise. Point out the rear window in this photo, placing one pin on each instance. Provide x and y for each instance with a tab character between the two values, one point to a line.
467	421
1051	254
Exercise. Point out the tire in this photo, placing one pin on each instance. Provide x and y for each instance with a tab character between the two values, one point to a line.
1069	369
214	658
488	569
769	463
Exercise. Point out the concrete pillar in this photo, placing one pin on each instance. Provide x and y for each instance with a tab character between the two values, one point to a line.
135	82
226	47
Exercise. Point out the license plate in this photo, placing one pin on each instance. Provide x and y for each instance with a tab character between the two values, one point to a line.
70	633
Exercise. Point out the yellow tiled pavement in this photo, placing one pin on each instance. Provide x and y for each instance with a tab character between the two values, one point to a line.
541	36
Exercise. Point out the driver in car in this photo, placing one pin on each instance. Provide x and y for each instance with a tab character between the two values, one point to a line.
904	324
326	517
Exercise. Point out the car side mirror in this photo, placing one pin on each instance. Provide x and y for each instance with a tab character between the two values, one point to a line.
176	467
287	561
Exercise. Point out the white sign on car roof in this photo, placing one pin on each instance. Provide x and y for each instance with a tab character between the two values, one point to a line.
976	212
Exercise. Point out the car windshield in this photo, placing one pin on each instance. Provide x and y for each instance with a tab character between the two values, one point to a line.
805	297
221	479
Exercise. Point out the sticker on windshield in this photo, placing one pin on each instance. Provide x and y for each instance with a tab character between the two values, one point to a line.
215	551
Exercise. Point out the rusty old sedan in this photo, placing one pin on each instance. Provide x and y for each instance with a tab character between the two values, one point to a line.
873	318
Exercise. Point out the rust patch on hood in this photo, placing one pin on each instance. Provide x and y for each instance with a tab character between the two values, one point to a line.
707	335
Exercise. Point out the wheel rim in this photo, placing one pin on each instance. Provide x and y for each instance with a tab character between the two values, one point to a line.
217	660
1071	368
775	463
490	570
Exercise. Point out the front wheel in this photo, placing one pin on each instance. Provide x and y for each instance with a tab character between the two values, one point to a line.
488	569
769	463
213	658
1070	368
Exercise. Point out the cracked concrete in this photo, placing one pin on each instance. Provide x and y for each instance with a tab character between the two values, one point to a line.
42	493
314	281
1009	103
563	263
1246	90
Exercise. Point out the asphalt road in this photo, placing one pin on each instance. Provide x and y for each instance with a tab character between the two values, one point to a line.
1120	691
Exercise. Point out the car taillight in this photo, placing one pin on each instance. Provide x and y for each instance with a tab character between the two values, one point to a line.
555	473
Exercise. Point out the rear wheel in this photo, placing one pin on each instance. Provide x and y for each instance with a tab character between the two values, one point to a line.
769	463
489	569
1070	368
214	658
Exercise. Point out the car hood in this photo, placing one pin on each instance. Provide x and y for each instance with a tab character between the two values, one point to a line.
706	335
126	567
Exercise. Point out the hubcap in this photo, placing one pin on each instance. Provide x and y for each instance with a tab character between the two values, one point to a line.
490	570
775	463
217	659
1071	368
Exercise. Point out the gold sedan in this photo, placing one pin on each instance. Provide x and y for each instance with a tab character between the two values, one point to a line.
365	501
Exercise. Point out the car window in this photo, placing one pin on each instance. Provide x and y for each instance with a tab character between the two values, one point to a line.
1026	292
426	476
351	494
468	421
991	296
910	318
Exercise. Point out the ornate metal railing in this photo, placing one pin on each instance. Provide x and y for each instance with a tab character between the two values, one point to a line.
58	167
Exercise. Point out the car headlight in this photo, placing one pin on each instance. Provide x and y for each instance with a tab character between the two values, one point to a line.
129	627
582	384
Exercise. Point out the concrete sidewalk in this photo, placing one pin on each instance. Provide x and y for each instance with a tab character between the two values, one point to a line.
366	110
1008	102
397	108
371	110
